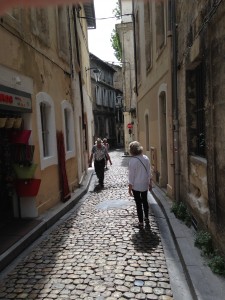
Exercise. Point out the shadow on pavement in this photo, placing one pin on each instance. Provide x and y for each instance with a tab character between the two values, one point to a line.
125	161
145	240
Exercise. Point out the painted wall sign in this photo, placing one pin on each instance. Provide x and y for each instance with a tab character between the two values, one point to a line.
12	99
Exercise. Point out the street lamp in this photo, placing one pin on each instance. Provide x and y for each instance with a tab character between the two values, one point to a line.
118	103
97	73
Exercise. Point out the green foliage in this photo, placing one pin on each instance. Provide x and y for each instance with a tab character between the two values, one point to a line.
175	208
181	212
203	241
217	264
117	11
115	40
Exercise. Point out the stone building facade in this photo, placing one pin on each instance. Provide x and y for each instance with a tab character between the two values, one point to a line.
125	29
180	105
104	99
43	84
119	107
154	87
201	103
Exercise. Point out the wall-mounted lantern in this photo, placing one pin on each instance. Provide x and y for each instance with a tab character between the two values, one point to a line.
97	73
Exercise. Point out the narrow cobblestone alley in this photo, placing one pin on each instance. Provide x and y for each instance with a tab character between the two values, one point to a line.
96	253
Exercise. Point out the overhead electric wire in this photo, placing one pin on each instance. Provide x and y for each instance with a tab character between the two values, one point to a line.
105	18
206	20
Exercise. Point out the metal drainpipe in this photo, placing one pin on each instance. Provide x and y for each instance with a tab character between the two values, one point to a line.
70	44
135	52
175	103
78	59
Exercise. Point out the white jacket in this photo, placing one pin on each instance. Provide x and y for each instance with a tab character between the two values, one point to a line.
139	173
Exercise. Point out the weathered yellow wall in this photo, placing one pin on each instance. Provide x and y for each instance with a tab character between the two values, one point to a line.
43	64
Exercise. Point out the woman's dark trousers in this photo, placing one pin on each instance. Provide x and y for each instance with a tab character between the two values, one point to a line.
141	199
99	170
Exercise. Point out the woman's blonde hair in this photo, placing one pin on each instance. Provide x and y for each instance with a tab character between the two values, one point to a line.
98	141
135	148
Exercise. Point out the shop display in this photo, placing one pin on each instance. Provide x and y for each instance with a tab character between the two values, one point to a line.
9	123
17	123
22	154
20	136
27	188
6	177
2	122
24	172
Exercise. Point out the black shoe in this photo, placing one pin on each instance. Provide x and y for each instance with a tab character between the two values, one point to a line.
146	221
139	226
100	185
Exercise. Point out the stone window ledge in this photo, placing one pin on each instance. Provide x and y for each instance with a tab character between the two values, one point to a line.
198	160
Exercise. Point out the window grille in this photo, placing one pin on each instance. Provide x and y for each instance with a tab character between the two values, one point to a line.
44	126
67	130
200	112
196	111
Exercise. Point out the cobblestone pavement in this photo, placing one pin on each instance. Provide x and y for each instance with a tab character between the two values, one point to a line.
96	253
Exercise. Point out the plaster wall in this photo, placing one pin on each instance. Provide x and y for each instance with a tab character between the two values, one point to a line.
50	73
152	85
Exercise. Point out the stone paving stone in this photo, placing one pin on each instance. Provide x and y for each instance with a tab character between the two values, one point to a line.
96	253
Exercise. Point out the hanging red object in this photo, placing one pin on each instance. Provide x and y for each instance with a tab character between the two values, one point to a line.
129	125
20	136
27	188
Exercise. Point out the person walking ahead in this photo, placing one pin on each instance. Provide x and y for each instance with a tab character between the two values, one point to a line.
106	144
99	152
139	181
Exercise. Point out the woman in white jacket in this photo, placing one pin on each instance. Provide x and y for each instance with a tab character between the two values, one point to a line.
139	181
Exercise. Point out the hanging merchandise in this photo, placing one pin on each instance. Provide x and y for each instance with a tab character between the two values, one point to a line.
22	154
24	172
6	177
20	136
27	188
2	122
9	123
17	123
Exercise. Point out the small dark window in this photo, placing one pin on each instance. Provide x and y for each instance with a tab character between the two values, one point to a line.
196	111
45	132
200	112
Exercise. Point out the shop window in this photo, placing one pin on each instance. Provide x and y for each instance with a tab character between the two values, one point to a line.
196	111
68	129
46	130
